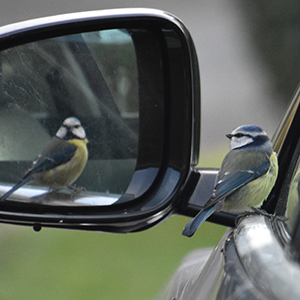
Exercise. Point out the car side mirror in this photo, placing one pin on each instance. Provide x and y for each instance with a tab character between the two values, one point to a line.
131	77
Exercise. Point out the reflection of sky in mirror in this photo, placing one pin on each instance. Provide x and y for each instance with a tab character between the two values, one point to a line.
114	36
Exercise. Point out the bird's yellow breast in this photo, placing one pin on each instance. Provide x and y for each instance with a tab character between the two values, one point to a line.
67	173
255	192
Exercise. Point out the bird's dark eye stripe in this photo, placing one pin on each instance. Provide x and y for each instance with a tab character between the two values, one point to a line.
239	135
75	126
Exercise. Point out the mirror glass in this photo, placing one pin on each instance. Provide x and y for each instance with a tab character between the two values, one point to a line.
92	76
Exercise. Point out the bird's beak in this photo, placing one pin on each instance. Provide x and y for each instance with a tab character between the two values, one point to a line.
229	135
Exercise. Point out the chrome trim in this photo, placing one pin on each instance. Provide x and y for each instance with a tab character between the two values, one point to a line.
284	126
265	260
88	15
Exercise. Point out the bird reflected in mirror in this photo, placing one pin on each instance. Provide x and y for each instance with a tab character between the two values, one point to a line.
245	179
61	162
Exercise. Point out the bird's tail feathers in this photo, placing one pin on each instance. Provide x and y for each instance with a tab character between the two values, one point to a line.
191	227
14	188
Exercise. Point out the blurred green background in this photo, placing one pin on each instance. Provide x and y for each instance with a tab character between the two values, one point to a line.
62	264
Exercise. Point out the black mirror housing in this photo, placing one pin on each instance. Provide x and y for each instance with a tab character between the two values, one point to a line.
166	143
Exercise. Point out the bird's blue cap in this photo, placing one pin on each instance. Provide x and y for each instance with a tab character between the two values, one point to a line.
249	128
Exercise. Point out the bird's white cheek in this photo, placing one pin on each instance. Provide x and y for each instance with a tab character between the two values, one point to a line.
61	133
79	132
241	141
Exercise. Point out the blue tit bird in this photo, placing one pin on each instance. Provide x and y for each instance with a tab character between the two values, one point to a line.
61	162
245	179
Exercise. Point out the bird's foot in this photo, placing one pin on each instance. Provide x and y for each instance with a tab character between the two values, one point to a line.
255	211
76	190
273	217
260	212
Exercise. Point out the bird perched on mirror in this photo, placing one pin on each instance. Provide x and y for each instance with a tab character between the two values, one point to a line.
245	179
61	162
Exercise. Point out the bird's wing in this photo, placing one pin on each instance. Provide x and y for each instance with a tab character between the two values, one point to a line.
52	158
191	227
230	182
56	153
225	186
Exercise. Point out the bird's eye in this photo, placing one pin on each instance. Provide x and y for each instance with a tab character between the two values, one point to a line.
77	126
239	135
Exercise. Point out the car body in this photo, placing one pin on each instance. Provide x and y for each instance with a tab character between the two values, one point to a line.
130	75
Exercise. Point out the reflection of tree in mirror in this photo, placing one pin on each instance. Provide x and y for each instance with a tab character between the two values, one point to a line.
115	57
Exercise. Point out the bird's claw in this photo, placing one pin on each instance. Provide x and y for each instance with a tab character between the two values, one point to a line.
76	190
260	212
